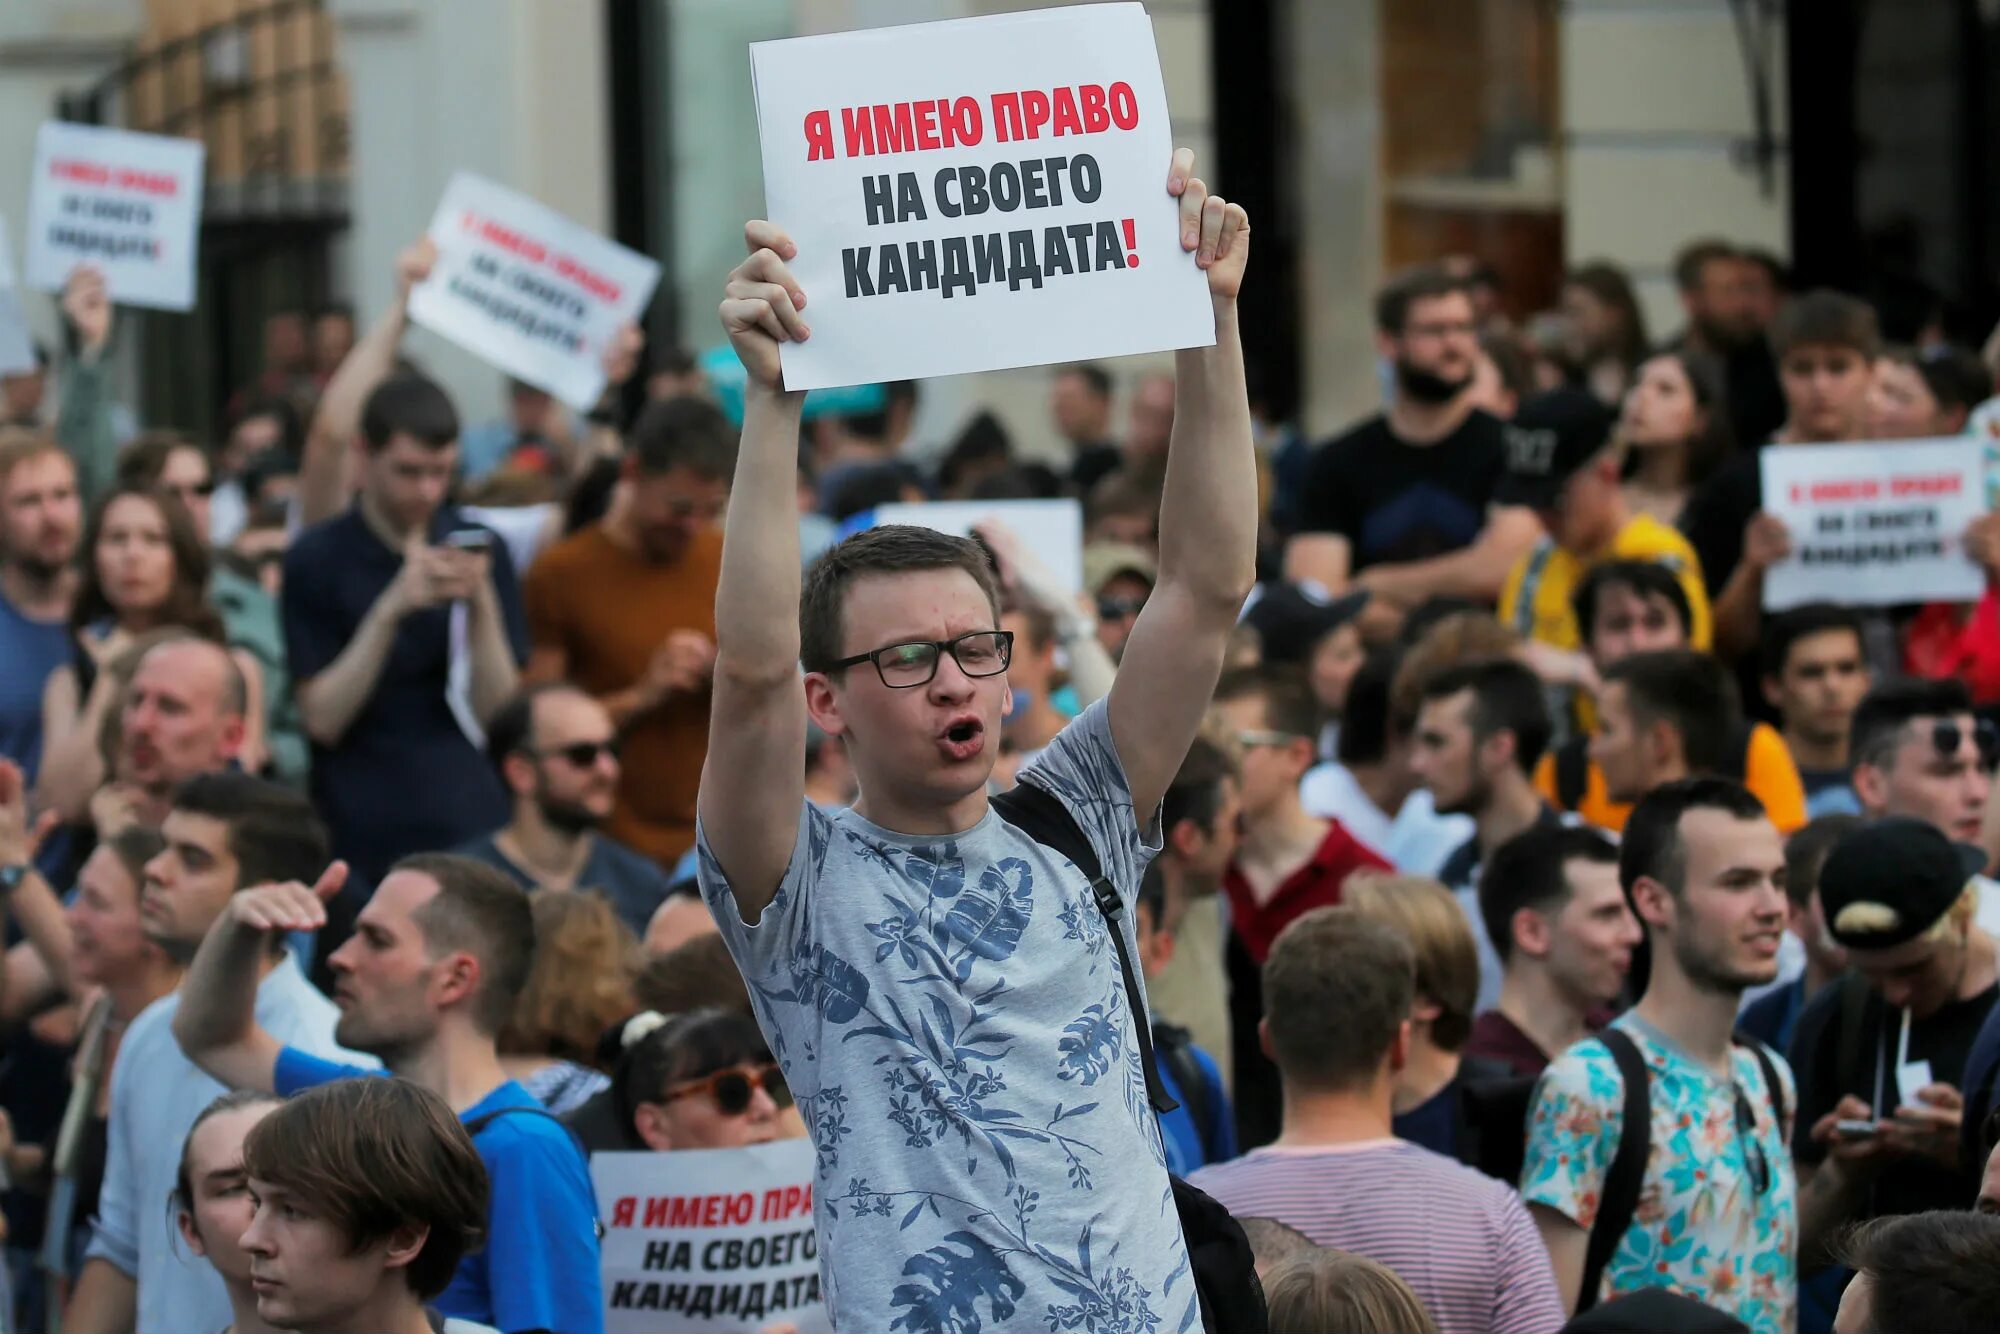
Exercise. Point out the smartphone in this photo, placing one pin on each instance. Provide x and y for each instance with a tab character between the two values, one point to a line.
1857	1129
469	539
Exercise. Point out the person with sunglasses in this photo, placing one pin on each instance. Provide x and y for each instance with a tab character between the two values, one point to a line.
940	986
1710	1209
1884	1053
700	1080
556	750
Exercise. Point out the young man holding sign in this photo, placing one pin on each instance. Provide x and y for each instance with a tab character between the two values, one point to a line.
938	986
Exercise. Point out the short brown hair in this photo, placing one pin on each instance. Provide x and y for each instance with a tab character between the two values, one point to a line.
580	982
1825	318
1337	987
1424	913
1289	703
697	975
1424	282
890	549
1460	638
372	1155
682	432
1938	1272
1122	491
187	601
479	910
1330	1291
1695	257
18	445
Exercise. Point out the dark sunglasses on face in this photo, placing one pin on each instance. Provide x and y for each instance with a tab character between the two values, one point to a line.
1949	736
734	1087
206	488
1117	609
583	754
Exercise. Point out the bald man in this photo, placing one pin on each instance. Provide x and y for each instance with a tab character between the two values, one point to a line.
182	715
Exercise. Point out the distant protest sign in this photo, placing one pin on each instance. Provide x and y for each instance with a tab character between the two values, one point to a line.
17	349
1051	530
126	203
709	1241
977	194
1875	524
527	289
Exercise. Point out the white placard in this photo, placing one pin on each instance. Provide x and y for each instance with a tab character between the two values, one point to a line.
17	349
529	290
709	1241
1050	530
977	194
126	203
1874	524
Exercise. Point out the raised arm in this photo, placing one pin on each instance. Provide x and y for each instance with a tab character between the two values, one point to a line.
323	468
83	412
216	1024
753	783
1208	519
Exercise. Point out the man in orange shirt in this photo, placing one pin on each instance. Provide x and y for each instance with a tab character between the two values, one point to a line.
625	609
1671	715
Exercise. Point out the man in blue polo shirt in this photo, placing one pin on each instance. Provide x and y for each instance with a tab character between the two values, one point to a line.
404	631
425	983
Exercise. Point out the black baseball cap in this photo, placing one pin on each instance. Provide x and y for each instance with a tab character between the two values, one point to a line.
1291	621
1890	880
1551	437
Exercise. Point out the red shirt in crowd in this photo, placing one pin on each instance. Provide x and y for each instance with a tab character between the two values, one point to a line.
1317	884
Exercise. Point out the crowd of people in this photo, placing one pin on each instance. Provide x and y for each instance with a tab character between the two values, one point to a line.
1421	842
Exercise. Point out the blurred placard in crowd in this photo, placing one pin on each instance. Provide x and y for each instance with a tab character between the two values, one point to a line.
977	194
536	294
1875	524
127	203
17	349
708	1241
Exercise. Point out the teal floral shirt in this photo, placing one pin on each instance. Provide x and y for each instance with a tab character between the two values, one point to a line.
1702	1227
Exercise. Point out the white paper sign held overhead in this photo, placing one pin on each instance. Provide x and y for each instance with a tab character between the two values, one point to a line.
977	194
126	203
520	285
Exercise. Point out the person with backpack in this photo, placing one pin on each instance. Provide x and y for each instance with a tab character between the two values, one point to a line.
1201	1130
1342	986
426	982
1657	1150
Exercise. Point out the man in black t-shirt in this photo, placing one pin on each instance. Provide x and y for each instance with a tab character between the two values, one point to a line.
1881	1054
1402	504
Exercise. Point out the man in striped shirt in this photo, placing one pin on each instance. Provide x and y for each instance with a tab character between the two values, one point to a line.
1338	991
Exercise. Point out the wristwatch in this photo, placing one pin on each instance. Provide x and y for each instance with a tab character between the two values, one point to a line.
12	876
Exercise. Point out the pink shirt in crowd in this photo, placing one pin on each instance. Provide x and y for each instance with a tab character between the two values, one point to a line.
1462	1241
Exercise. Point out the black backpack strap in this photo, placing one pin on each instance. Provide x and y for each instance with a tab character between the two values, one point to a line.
479	1123
1618	1202
1572	771
1038	814
1740	741
1769	1069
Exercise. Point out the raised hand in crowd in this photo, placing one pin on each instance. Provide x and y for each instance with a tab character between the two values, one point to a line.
288	905
86	304
1025	581
325	469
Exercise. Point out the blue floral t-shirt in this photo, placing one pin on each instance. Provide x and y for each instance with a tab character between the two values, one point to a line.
1702	1227
950	1019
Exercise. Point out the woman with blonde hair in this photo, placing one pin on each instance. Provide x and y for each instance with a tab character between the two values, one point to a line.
1327	1291
579	985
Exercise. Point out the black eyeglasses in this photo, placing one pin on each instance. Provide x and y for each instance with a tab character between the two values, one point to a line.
903	666
1754	1158
1949	736
733	1088
582	754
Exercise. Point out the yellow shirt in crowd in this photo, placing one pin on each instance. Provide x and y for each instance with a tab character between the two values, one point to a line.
1768	771
1536	599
